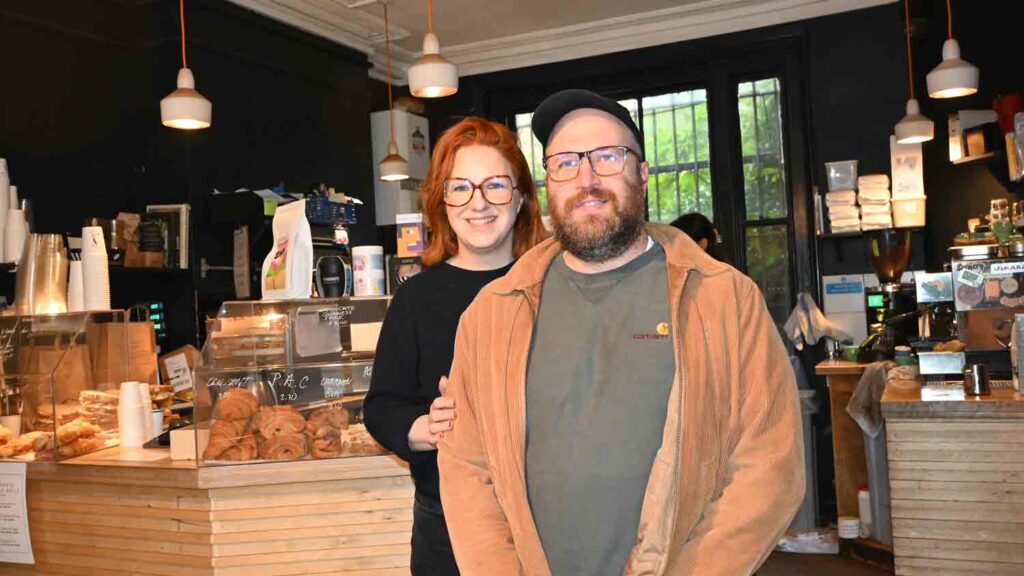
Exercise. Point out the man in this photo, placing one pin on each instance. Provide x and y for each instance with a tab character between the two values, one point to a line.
624	402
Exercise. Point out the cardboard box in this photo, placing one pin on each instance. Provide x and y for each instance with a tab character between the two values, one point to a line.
176	370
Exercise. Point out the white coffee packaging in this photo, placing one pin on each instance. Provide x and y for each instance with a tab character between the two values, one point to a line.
288	268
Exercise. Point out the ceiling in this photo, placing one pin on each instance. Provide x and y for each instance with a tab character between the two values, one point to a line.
491	35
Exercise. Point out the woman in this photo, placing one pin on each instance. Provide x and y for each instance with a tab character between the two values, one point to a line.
703	232
482	207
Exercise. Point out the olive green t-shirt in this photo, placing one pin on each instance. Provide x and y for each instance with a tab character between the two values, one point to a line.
600	370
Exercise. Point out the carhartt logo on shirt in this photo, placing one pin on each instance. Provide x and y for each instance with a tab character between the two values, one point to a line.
660	333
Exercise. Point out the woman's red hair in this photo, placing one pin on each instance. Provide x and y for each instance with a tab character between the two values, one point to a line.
528	229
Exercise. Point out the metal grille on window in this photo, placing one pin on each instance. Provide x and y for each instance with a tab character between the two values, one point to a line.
679	154
766	194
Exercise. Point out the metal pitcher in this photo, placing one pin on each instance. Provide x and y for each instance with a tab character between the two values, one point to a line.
42	279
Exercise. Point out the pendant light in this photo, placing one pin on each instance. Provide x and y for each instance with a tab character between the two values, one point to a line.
914	127
185	108
953	77
432	76
393	167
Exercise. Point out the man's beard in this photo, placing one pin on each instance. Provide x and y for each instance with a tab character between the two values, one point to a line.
598	238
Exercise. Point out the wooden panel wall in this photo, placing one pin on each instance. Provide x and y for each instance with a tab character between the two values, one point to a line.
957	496
352	527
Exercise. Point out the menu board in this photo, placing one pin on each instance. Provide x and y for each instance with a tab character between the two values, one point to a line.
15	543
297	386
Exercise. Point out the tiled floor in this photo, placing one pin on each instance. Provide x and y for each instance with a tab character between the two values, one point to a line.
783	564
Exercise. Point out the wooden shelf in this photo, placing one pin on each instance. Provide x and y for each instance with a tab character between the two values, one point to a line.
969	159
165	271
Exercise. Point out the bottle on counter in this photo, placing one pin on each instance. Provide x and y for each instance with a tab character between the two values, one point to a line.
864	510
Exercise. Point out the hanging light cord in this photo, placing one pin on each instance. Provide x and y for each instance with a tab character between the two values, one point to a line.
184	62
387	49
430	16
910	53
949	18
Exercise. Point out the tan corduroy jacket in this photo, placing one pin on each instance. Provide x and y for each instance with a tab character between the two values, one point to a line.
729	475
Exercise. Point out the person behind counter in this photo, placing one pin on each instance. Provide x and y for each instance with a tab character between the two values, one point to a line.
482	206
703	232
626	405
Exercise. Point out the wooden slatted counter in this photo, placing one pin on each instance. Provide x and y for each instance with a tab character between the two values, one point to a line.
956	474
105	513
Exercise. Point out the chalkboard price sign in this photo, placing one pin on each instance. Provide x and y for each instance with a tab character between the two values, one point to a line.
298	386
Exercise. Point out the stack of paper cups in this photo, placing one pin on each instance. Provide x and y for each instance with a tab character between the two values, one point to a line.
15	231
132	415
147	407
5	185
76	290
95	269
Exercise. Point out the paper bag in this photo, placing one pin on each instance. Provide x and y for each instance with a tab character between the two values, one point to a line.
59	356
122	352
128	236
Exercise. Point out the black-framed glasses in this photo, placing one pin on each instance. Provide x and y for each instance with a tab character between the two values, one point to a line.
604	161
496	190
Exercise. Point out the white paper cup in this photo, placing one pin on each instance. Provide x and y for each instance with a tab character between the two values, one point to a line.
76	288
93	241
132	424
156	421
12	423
15	232
131	395
95	280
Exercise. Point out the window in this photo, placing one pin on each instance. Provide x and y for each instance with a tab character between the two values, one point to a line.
764	174
534	152
676	144
766	226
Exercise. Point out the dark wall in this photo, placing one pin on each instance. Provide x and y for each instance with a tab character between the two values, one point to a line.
859	91
81	122
855	73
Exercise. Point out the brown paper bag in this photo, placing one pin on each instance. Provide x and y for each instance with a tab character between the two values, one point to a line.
128	235
142	348
60	356
122	352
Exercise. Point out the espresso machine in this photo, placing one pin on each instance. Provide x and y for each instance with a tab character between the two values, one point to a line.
988	289
891	306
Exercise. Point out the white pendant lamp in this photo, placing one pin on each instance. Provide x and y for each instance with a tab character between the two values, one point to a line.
953	77
185	108
432	76
914	127
393	167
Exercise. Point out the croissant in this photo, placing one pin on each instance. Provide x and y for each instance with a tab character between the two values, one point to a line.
236	404
290	446
327	442
224	435
277	420
333	417
243	449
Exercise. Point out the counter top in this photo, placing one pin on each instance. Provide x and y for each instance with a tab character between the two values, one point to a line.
148	467
905	399
839	368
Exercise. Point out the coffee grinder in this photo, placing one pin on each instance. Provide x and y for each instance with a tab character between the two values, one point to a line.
892	305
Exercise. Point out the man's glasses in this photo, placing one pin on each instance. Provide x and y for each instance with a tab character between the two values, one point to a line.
496	190
605	161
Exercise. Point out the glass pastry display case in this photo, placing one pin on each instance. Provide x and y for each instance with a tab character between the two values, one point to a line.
285	380
59	384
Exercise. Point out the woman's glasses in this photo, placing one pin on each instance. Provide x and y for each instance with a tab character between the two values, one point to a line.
496	190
